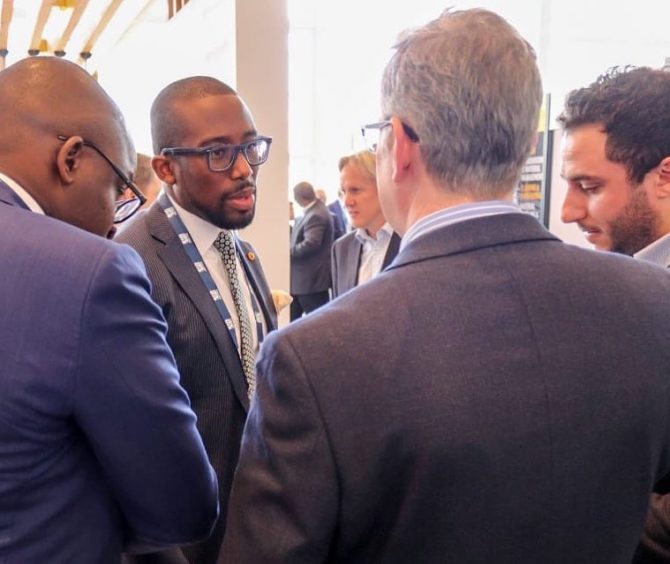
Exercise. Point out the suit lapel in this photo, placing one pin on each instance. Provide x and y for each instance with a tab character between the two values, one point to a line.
180	266
8	196
354	263
392	251
259	286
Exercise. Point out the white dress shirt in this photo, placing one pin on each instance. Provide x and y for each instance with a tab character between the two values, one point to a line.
373	253
28	200
658	252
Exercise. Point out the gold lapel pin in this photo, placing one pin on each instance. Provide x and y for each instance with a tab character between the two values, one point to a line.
251	255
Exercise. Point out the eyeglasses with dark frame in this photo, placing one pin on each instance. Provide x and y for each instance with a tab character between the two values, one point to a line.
126	208
221	157
372	132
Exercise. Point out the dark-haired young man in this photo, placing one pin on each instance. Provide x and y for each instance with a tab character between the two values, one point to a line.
616	160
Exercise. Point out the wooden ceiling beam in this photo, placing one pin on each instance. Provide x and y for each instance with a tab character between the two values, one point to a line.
97	32
5	19
40	24
77	12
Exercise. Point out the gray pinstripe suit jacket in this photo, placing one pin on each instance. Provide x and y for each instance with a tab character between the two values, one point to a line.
210	367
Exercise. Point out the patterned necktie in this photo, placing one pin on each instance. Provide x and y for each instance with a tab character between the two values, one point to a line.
226	246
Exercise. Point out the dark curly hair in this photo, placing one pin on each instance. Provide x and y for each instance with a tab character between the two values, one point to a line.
633	106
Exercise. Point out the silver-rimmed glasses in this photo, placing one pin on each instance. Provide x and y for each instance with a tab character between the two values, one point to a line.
222	156
372	132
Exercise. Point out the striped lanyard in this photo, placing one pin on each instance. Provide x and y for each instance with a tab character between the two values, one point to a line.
199	264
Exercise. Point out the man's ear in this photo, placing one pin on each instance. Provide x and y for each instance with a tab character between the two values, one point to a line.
68	159
403	151
663	182
163	169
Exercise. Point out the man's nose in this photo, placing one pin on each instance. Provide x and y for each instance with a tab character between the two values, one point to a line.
574	206
241	167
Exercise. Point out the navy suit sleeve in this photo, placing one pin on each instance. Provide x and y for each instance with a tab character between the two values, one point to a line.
285	489
134	413
314	231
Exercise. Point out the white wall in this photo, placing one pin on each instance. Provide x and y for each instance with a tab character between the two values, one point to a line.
200	39
262	80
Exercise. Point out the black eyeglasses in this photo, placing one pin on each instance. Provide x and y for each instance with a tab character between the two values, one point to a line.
126	207
372	132
221	157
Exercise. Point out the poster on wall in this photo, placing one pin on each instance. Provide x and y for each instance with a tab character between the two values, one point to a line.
533	191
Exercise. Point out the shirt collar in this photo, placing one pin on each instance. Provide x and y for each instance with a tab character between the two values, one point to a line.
385	232
457	214
202	232
21	193
657	252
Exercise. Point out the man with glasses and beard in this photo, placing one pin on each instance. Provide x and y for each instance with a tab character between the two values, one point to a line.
616	161
99	450
208	282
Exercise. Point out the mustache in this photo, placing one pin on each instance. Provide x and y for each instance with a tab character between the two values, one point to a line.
243	185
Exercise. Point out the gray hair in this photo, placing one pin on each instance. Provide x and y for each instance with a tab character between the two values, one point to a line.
468	84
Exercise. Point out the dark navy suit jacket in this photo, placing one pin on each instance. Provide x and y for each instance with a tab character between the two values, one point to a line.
207	358
494	395
98	445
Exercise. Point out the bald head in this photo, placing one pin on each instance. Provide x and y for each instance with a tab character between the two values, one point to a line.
166	127
52	96
54	111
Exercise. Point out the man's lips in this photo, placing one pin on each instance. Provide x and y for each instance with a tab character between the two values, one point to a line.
242	194
243	200
591	233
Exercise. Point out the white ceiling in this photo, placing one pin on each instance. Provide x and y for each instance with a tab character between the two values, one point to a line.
71	27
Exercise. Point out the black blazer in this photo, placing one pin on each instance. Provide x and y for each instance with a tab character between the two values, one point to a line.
209	364
346	260
494	395
311	241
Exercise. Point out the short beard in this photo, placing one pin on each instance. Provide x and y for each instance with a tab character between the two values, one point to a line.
636	227
224	222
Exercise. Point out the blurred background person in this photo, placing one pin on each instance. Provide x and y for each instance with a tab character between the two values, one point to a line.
311	242
364	252
338	222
